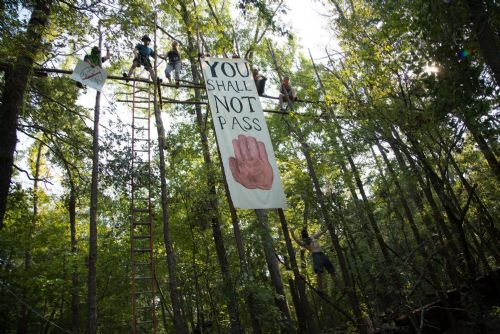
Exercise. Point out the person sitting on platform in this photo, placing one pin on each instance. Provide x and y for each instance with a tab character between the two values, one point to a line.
320	260
287	93
95	54
174	64
142	52
260	81
93	60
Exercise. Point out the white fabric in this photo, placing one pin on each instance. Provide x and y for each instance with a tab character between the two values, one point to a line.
92	76
245	145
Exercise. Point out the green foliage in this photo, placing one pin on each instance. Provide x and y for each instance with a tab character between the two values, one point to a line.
375	88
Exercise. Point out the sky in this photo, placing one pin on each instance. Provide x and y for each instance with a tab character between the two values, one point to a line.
308	21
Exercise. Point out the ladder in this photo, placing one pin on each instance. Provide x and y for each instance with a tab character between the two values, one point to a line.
141	229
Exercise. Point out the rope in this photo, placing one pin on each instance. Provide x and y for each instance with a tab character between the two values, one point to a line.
33	310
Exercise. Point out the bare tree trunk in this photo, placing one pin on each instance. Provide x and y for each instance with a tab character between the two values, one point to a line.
16	82
92	259
230	291
415	172
421	243
450	264
346	276
274	270
302	306
453	213
249	297
179	323
75	312
488	154
486	37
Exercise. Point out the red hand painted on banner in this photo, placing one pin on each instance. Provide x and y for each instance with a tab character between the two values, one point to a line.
90	76
250	166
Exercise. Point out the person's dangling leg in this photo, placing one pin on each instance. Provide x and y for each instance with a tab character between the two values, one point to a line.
152	74
283	99
318	269
169	70
135	63
331	270
261	86
177	73
319	281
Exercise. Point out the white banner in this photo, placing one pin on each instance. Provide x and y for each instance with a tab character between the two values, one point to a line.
92	76
242	134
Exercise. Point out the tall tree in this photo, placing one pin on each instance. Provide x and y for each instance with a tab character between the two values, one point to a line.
17	79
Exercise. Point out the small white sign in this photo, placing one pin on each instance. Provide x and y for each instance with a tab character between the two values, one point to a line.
90	75
245	145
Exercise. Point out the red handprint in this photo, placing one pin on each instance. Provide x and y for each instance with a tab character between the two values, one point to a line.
250	166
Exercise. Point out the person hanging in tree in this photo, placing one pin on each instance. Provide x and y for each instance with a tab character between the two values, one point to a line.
142	52
93	60
287	93
174	64
260	81
320	260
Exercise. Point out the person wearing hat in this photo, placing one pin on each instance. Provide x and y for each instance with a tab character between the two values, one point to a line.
287	93
142	52
174	63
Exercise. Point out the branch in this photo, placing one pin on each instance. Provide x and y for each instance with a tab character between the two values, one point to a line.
88	7
29	177
169	35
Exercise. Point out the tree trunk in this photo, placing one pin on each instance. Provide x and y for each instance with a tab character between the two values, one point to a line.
486	37
483	145
92	259
302	306
274	270
230	292
450	264
24	313
425	187
249	297
421	243
179	323
75	313
346	276
16	82
453	213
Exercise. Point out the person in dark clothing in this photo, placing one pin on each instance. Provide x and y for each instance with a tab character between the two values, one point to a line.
142	52
260	81
174	64
287	93
320	260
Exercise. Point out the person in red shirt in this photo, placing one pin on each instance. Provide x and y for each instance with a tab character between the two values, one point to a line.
287	93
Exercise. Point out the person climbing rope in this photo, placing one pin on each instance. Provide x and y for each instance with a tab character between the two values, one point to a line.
260	81
320	260
142	52
174	64
287	93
